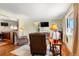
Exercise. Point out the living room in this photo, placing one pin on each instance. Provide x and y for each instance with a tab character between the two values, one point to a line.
22	20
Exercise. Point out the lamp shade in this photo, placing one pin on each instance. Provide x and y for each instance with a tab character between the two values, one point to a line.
54	27
36	23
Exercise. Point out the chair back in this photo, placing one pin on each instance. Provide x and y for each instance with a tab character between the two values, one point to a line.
37	43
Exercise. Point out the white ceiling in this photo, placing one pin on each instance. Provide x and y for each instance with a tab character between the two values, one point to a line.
36	10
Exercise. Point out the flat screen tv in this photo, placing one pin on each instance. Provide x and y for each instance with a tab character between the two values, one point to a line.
4	24
44	24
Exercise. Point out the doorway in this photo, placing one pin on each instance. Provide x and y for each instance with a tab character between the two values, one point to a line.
6	37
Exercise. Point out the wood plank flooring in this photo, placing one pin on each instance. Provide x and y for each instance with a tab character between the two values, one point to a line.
6	49
65	51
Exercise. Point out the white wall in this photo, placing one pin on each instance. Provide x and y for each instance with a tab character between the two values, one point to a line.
59	22
7	28
29	27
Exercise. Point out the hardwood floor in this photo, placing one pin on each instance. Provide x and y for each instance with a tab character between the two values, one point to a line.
6	49
65	51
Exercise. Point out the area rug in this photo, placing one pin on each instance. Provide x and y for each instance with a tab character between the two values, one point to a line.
22	51
2	43
25	51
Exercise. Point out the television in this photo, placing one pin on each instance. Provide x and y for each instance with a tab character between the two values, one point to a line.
4	24
44	24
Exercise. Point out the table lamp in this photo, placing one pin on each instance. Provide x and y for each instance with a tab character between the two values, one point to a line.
53	28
